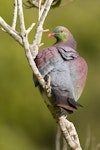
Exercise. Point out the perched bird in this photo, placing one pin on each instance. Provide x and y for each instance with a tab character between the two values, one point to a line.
66	68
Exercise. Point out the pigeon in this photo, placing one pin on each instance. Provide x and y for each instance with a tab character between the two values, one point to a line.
66	68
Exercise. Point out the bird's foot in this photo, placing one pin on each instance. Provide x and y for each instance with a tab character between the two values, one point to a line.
48	86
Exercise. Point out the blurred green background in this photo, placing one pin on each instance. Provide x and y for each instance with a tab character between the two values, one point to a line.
25	122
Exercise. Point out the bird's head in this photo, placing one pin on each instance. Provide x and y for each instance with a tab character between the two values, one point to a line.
60	33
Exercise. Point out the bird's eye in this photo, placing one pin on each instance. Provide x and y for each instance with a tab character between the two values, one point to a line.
62	31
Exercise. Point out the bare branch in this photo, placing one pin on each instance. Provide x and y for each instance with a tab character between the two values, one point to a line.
69	133
30	28
58	136
64	144
98	146
21	17
38	35
93	144
39	14
88	139
14	21
24	35
10	31
46	30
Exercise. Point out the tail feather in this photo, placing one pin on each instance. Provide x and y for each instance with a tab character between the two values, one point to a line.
70	106
65	103
73	103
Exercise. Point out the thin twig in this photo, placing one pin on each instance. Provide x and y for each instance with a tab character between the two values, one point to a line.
58	136
98	146
38	35
88	139
69	133
30	28
14	21
21	17
93	143
64	144
10	31
58	140
26	45
39	14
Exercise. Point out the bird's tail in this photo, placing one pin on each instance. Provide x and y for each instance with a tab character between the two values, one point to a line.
65	103
69	106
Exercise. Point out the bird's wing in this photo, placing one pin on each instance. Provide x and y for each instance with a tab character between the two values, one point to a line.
67	53
67	82
48	58
46	61
78	73
77	68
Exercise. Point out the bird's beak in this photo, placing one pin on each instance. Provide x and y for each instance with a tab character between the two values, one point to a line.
51	34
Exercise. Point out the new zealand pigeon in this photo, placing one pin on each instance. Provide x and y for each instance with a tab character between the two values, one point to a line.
66	68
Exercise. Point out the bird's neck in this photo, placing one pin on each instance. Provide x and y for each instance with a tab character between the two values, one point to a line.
58	41
67	42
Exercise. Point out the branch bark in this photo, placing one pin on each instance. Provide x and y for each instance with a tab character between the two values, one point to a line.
31	50
14	21
69	133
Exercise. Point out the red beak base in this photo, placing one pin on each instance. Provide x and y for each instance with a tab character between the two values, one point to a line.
51	34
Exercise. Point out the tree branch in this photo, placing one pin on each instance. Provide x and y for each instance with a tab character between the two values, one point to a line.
31	50
58	136
69	133
10	31
43	11
14	21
